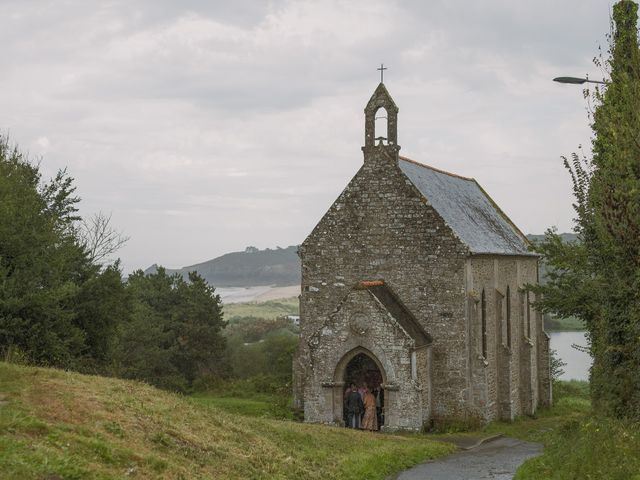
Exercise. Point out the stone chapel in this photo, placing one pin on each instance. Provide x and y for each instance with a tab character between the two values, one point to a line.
413	284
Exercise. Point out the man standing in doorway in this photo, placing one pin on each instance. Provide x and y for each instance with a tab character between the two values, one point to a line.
354	407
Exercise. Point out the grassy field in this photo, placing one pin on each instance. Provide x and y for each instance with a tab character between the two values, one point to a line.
578	444
270	309
258	405
77	426
571	404
56	424
588	448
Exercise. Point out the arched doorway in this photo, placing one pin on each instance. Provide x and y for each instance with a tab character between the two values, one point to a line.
363	371
360	368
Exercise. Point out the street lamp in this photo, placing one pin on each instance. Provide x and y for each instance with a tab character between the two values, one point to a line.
576	80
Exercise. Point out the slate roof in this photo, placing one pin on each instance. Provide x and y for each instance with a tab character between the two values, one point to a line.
474	218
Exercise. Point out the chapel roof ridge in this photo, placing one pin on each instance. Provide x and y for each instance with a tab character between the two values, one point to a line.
439	170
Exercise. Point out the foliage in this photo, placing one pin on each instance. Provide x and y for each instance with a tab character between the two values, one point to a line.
556	365
58	424
253	329
272	356
580	443
43	267
58	306
598	278
101	305
261	349
598	447
571	389
173	336
62	304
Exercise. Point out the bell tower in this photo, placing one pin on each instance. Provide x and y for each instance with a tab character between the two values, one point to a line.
381	107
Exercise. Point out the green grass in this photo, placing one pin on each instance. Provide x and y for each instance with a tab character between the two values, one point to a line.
589	448
78	426
270	309
261	405
568	324
536	429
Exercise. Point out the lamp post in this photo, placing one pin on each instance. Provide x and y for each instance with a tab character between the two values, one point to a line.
576	80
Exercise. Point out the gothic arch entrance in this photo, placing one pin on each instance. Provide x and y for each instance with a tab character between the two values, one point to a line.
362	368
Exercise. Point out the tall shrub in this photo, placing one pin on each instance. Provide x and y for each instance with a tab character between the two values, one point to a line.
598	278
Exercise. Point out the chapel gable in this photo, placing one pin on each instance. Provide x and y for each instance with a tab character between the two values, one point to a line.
387	278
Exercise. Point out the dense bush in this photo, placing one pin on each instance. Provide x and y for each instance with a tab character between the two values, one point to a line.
57	306
173	335
60	305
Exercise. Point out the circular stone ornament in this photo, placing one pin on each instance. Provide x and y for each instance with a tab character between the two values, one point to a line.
358	324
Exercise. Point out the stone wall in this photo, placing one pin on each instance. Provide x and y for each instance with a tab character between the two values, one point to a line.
545	393
504	380
360	324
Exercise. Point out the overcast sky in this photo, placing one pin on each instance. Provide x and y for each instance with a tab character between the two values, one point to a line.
206	126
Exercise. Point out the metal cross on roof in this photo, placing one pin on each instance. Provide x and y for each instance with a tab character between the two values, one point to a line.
382	69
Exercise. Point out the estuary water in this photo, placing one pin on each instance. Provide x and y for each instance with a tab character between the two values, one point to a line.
577	362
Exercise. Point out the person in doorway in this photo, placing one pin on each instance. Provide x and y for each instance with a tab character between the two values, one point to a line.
379	399
346	393
370	420
354	407
362	390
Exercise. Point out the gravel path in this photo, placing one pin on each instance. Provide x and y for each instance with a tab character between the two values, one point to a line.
495	460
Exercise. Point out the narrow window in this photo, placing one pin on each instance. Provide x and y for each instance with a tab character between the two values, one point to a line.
414	366
501	326
508	317
523	313
483	315
381	133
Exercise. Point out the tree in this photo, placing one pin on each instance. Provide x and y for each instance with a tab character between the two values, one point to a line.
99	238
40	262
101	305
556	365
174	334
197	323
598	278
58	306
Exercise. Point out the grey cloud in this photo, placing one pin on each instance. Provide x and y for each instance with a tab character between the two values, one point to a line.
206	126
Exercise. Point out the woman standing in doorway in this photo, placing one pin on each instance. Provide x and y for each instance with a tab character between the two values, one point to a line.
370	420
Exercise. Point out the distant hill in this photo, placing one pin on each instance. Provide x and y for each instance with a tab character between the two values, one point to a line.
279	266
252	267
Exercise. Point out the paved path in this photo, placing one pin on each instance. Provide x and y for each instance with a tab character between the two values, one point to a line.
494	460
